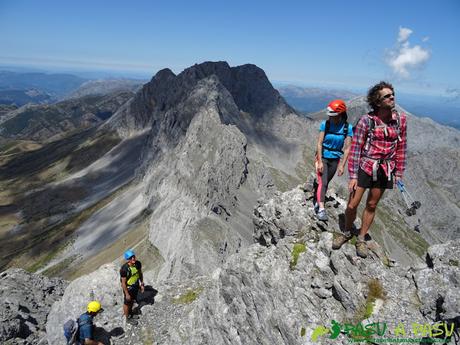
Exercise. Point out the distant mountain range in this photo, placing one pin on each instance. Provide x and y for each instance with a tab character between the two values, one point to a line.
40	88
106	86
312	99
22	97
52	121
56	85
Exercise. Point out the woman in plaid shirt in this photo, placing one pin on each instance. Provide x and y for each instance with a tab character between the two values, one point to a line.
378	153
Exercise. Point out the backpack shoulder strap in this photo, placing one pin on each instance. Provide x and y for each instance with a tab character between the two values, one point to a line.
128	271
398	125
370	130
345	129
371	124
83	320
328	127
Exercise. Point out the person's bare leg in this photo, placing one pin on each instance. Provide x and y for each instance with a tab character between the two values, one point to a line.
350	216
373	198
352	207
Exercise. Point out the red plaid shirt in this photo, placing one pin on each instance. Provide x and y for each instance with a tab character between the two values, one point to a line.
383	146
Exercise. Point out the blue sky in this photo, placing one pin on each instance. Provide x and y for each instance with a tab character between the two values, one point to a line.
341	43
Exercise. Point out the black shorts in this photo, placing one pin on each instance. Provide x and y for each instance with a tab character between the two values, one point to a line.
365	180
133	291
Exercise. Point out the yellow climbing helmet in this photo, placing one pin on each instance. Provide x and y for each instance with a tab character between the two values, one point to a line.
94	307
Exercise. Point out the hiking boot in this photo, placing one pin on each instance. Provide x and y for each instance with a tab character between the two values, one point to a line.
322	215
361	249
131	321
133	316
339	239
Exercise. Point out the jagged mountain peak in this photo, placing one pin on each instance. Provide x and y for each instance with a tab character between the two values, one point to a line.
248	84
163	73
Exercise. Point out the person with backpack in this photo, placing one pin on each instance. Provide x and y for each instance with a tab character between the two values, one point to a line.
377	160
81	332
132	281
332	150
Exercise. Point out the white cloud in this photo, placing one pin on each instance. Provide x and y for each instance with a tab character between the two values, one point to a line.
404	57
453	94
425	39
404	34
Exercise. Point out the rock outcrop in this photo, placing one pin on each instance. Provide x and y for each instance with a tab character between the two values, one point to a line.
26	300
278	292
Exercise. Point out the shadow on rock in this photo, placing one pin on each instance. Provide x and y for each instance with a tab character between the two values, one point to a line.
105	337
147	297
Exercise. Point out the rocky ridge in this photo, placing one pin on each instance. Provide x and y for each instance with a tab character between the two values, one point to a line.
216	136
106	86
53	121
267	295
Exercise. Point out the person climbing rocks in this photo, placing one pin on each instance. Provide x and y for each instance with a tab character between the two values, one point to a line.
132	281
85	324
332	150
377	160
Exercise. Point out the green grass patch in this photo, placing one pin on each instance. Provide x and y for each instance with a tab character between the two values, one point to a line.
401	232
303	331
386	261
283	181
56	270
353	240
432	184
188	297
46	259
296	250
453	263
375	291
147	337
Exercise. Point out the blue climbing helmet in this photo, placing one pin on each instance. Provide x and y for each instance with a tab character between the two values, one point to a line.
129	253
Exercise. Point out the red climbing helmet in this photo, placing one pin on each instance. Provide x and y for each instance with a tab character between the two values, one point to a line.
336	107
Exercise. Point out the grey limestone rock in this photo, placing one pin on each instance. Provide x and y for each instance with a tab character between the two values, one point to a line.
102	285
26	300
439	284
262	295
